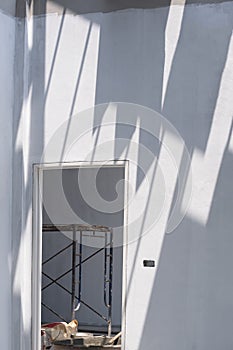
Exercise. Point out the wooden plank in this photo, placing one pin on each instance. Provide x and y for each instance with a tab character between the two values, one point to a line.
91	342
77	347
76	227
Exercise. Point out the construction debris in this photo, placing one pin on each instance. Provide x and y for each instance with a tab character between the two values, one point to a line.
60	335
57	331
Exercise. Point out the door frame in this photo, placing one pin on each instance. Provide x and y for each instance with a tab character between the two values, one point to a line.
37	239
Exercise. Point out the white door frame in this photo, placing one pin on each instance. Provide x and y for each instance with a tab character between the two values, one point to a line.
37	240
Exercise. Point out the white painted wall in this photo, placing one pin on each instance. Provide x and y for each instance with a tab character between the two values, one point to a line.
7	31
177	61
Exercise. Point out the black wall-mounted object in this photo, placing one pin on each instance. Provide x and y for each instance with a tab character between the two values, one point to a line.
148	263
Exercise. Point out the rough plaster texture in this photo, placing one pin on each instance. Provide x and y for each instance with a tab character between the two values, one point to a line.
177	61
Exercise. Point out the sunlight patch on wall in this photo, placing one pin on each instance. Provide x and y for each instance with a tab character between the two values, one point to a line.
161	178
71	67
88	78
231	142
205	168
172	34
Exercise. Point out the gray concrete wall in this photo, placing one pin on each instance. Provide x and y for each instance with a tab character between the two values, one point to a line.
18	8
90	6
8	6
128	57
92	271
178	61
7	33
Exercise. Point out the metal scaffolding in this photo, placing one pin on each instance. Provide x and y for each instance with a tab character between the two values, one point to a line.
78	231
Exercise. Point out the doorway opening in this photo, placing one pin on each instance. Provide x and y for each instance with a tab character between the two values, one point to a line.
82	224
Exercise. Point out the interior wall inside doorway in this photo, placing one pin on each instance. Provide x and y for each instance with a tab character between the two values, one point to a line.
109	187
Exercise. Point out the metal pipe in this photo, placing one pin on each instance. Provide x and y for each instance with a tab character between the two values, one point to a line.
66	273
105	272
108	269
80	272
59	252
51	310
81	301
110	285
74	244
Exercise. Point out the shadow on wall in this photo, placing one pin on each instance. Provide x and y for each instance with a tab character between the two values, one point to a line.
191	304
28	140
176	61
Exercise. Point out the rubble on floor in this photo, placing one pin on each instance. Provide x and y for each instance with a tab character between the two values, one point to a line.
63	336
